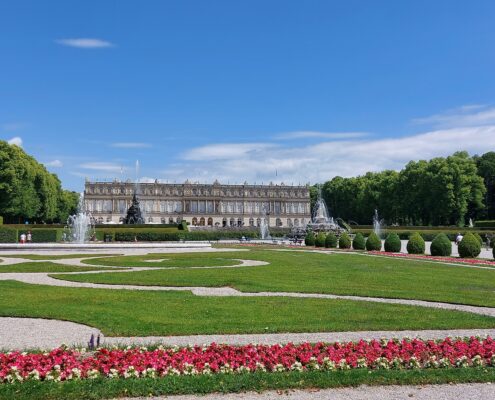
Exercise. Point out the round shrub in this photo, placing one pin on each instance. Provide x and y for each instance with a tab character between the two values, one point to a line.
331	241
309	240
469	247
344	241
320	240
374	243
416	244
478	238
359	243
441	246
392	243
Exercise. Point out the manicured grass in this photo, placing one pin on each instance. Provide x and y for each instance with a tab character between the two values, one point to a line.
172	385
44	267
157	313
299	271
54	257
164	260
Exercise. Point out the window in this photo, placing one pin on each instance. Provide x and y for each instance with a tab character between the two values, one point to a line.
210	221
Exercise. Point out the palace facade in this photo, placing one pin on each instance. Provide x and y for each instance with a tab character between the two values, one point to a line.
214	205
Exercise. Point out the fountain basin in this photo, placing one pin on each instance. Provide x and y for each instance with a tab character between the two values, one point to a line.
101	246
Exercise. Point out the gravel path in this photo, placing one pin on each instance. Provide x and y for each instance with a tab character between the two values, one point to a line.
29	333
467	391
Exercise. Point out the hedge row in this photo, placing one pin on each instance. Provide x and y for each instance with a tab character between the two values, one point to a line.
484	224
428	236
8	235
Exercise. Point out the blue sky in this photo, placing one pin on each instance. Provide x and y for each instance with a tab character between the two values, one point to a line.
257	91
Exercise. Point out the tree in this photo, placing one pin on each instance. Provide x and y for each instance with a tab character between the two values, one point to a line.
486	170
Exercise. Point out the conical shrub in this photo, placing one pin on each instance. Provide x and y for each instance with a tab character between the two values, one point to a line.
331	240
469	247
416	244
344	241
320	240
374	243
309	240
441	246
359	242
392	243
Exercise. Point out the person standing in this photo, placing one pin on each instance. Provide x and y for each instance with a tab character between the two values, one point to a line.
29	237
23	238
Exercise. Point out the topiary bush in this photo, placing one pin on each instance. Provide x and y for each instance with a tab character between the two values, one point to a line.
309	240
478	238
441	246
359	242
374	243
416	244
320	240
469	247
331	241
8	235
392	243
344	241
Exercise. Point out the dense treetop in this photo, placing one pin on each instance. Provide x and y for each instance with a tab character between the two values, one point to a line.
441	191
28	191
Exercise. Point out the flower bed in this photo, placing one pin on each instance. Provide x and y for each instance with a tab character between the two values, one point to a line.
433	258
66	364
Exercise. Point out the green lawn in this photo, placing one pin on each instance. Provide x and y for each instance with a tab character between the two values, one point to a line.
138	313
201	384
165	260
44	267
297	271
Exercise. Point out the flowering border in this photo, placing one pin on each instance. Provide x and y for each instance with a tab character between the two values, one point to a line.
64	364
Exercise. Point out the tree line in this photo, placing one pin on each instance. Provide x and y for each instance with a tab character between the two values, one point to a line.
441	191
28	192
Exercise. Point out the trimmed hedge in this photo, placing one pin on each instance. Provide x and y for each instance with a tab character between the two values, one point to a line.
359	242
374	243
478	237
309	240
320	240
392	243
344	241
441	246
416	244
8	235
469	247
331	241
46	235
484	224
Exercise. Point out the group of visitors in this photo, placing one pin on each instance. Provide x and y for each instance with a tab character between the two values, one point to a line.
26	237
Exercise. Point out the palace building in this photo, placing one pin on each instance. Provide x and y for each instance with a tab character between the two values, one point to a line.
214	205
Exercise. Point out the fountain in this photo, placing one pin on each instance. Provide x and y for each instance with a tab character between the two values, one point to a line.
134	214
80	227
377	224
264	230
321	220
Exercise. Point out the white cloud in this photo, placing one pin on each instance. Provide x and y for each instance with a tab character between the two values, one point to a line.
257	162
321	135
54	164
468	115
226	151
130	145
15	140
102	167
85	43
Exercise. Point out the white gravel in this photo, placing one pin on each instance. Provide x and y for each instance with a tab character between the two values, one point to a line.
467	391
28	333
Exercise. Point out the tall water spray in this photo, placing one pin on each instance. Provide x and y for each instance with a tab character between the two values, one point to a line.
264	225
377	224
80	227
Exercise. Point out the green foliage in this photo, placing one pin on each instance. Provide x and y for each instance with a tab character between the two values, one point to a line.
8	235
441	246
373	243
469	247
359	242
486	170
478	238
485	224
442	191
1	220
46	235
331	240
392	243
147	235
416	244
320	240
344	241
309	240
183	225
27	190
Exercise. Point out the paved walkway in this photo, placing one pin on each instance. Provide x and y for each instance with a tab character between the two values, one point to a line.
467	391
